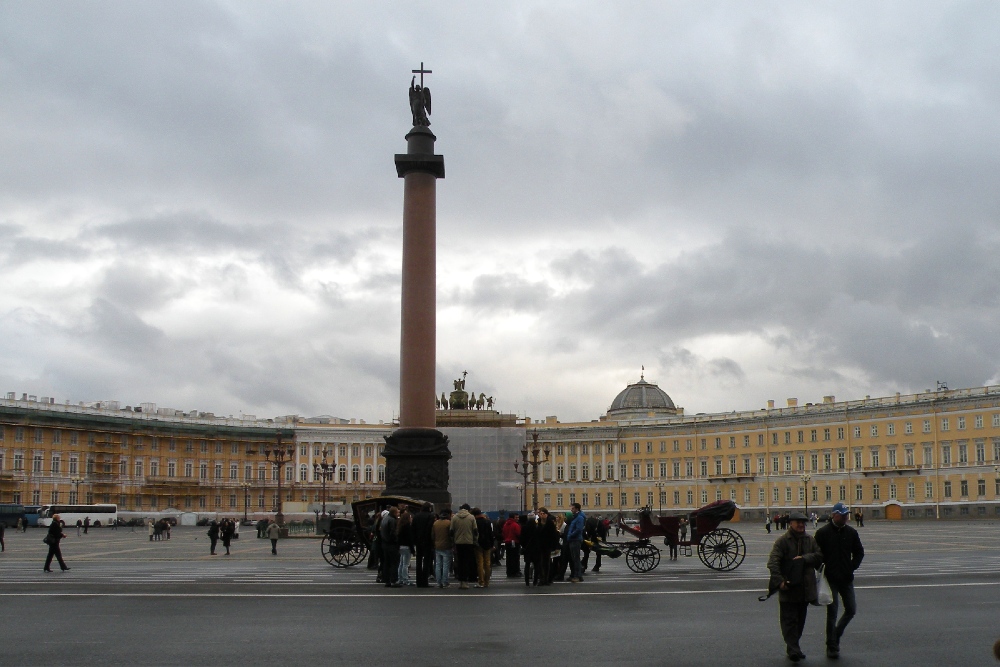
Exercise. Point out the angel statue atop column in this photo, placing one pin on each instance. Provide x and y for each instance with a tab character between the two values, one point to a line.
420	103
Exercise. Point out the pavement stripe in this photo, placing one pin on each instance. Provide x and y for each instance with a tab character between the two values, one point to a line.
452	595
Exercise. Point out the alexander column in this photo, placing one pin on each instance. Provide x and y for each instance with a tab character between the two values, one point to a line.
416	454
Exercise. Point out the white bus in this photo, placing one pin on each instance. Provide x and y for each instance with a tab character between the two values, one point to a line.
100	515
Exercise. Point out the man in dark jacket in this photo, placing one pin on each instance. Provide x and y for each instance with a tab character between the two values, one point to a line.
390	548
52	539
842	553
792	564
484	548
423	541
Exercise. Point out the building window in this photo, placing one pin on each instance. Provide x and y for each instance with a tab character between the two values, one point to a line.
303	473
961	423
611	471
584	472
892	490
946	455
892	457
857	431
890	429
188	469
649	471
928	490
908	428
171	468
979	421
560	472
572	472
947	489
788	463
814	462
875	458
203	471
927	426
635	471
369	472
859	492
964	487
981	487
963	453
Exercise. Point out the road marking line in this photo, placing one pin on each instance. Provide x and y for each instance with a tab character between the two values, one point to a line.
451	595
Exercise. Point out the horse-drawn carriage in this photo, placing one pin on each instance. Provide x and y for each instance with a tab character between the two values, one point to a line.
721	549
348	540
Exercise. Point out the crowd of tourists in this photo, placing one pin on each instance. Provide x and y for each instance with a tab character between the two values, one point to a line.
540	546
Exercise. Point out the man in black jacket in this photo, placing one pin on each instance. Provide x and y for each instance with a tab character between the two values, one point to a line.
842	553
423	540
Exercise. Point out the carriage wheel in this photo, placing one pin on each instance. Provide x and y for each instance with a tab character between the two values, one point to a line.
643	558
341	547
722	549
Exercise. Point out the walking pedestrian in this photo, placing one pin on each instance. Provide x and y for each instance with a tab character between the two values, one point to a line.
767	523
3	547
273	534
79	527
213	536
684	529
842	554
511	533
423	543
86	525
465	535
603	527
151	529
52	539
574	542
792	564
227	533
441	530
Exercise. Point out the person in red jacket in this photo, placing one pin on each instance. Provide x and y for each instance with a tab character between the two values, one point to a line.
511	542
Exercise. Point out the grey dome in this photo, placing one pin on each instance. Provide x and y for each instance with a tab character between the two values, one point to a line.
640	399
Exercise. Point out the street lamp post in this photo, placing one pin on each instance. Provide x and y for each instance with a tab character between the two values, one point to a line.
660	486
324	471
282	456
76	481
530	466
246	500
805	490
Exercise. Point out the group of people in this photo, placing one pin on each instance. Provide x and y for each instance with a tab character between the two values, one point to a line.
468	544
158	530
792	564
226	530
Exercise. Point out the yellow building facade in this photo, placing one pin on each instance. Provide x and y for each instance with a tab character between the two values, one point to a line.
935	454
928	455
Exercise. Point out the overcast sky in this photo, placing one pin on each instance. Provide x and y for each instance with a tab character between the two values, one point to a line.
199	208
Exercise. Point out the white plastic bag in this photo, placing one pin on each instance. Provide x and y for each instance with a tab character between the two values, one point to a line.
824	595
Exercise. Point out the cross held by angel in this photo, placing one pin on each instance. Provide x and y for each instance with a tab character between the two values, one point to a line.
420	98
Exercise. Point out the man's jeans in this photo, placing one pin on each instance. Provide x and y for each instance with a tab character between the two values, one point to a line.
835	629
574	559
442	565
